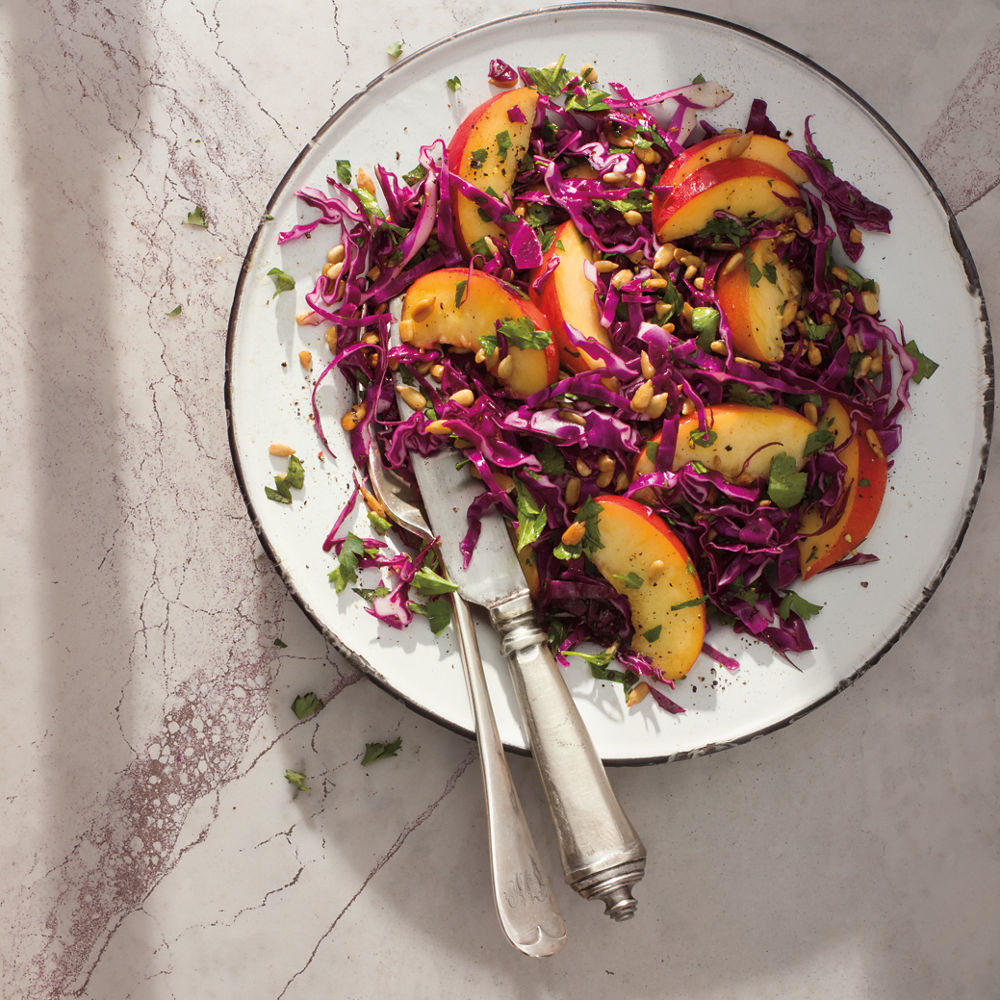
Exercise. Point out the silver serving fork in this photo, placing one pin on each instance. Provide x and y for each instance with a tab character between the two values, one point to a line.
522	893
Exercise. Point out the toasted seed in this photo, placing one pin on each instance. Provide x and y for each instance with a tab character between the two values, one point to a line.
605	266
306	359
854	236
740	360
869	302
655	284
280	450
718	347
663	256
656	569
834	306
648	371
333	271
852	343
353	417
663	310
814	355
582	468
605	462
636	694
839	273
690	271
414	400
632	217
603	479
307	318
588	73
574	534
699	282
639	175
335	254
876	363
370	338
810	412
464	397
621	481
803	223
436	372
331	338
505	368
864	365
422	308
572	492
642	397
480	356
572	417
504	481
738	146
657	406
613	177
622	277
439	427
687	407
735	261
364	181
647	155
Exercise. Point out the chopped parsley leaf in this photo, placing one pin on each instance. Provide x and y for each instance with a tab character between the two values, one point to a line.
380	751
196	217
298	779
925	366
306	704
282	282
786	487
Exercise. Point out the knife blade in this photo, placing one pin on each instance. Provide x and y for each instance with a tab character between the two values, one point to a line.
601	853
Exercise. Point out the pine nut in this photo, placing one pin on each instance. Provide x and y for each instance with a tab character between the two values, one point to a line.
353	417
439	427
575	533
810	412
647	155
572	417
788	313
603	479
306	359
657	406
877	363
869	302
622	277
864	365
655	284
656	569
663	256
605	463
333	271
633	218
642	397
280	450
336	254
613	177
414	400
605	266
663	310
572	491
648	371
839	273
464	397
854	236
814	356
718	347
436	372
331	339
505	368
582	468
636	694
307	318
803	223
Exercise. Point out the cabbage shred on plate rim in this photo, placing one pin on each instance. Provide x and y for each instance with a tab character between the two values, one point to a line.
744	550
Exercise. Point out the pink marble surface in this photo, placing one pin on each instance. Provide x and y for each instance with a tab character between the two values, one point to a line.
151	847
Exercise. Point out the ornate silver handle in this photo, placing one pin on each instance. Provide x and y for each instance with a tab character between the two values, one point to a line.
601	853
522	893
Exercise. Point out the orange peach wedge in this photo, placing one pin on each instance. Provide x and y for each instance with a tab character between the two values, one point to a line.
485	151
865	481
646	563
759	294
566	297
456	307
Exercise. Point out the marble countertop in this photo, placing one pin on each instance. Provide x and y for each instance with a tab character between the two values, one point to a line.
151	845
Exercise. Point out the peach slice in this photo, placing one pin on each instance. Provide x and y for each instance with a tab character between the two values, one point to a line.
748	189
567	296
739	442
759	294
865	479
734	145
457	307
647	564
485	151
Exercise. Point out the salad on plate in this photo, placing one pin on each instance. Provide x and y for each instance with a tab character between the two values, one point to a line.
647	332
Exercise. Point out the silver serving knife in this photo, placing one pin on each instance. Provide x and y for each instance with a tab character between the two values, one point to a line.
601	853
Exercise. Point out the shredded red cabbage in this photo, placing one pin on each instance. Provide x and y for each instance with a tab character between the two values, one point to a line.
549	446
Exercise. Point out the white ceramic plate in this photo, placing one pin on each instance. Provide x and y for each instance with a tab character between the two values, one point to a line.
928	282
